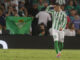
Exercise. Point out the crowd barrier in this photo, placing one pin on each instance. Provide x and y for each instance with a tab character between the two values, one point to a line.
35	42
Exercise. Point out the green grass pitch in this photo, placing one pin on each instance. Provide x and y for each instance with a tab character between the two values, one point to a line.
35	54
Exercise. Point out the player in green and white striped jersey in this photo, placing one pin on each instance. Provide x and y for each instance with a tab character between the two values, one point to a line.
59	21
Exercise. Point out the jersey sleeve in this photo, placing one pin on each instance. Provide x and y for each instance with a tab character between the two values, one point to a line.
48	9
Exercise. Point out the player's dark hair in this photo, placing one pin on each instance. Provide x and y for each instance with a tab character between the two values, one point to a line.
63	5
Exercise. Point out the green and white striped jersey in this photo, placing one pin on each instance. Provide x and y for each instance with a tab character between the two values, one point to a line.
59	19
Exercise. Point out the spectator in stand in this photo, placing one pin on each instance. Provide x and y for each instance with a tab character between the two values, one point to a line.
78	9
10	11
45	5
68	21
33	13
72	14
41	30
77	6
70	31
43	17
40	5
15	13
7	3
23	12
3	8
76	23
2	19
21	3
15	4
29	5
70	6
76	2
34	10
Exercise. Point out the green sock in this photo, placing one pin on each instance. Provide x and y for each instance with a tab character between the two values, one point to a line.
56	46
60	46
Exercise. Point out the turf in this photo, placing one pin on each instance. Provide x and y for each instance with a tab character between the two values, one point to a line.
28	54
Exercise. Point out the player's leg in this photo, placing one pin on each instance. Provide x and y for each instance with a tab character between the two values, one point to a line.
61	45
56	46
55	36
61	40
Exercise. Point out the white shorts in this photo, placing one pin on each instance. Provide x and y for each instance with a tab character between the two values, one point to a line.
58	35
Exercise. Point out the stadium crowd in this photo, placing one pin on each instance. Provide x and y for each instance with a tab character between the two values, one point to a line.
42	22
